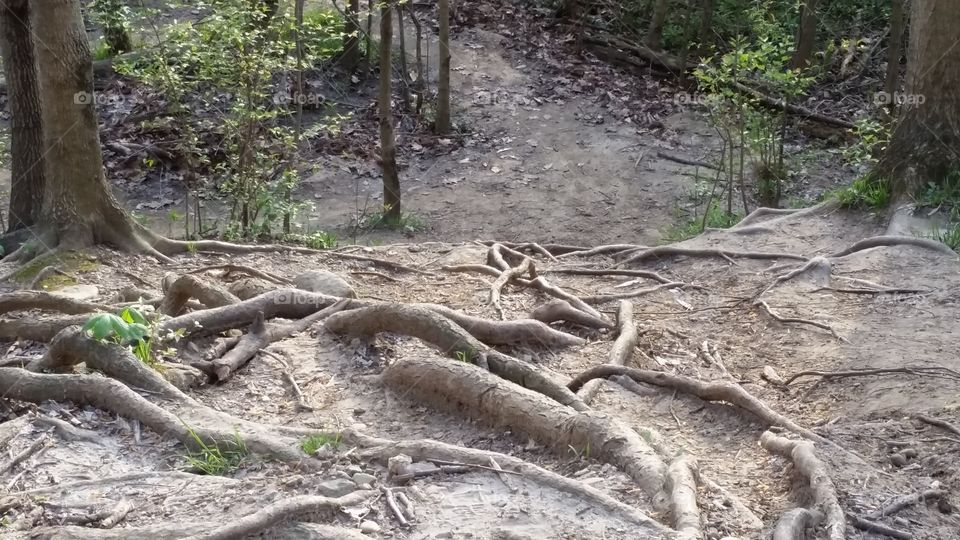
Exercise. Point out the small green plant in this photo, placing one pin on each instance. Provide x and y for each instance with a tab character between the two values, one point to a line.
940	194
113	16
409	223
101	51
868	191
131	328
872	139
462	356
716	217
216	459
314	240
313	443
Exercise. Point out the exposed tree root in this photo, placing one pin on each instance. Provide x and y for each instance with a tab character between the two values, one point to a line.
42	330
795	320
189	286
817	265
900	503
761	213
621	351
561	310
279	512
426	449
24	300
378	262
496	289
641	255
552	249
612	249
793	524
604	298
890	241
239	268
880	528
810	467
725	391
478	268
519	331
46	272
686	161
473	392
682	489
609	272
913	370
939	423
452	340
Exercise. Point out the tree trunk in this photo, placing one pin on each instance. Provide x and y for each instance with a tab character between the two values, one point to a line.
654	37
26	133
442	124
77	205
350	58
898	21
388	149
806	35
926	141
706	27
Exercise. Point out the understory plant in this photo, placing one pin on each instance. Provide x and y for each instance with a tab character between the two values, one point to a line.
135	328
216	459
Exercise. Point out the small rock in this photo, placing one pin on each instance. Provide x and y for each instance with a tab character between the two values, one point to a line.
771	375
322	281
183	376
336	487
909	453
398	464
898	459
364	480
369	527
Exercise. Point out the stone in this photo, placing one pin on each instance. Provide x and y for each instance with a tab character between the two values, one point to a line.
183	376
364	480
398	464
79	292
336	487
324	282
369	527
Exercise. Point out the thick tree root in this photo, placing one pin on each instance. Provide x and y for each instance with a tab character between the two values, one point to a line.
42	330
879	528
609	272
452	340
900	503
551	249
795	320
239	268
496	289
25	300
478	394
890	241
815	471
674	251
682	491
604	298
189	286
761	213
520	331
728	392
612	250
621	351
561	310
793	524
425	450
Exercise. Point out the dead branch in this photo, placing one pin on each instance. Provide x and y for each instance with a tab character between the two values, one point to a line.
621	351
880	528
890	241
815	471
496	289
686	161
24	300
279	512
451	339
604	298
904	501
481	395
425	450
228	268
609	272
189	286
779	105
561	310
939	423
793	524
394	506
725	391
670	251
917	370
682	489
378	262
34	447
795	320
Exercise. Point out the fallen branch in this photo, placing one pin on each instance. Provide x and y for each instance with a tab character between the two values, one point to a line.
793	524
807	464
686	161
871	526
725	391
780	106
795	320
939	423
621	351
34	447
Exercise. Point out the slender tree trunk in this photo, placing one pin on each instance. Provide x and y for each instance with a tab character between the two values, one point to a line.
897	27
654	37
404	72
706	27
350	58
77	204
442	124
926	143
806	35
388	149
26	132
298	127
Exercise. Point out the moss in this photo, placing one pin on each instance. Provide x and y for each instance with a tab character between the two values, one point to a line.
70	262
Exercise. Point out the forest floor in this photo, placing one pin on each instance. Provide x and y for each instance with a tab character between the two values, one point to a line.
555	151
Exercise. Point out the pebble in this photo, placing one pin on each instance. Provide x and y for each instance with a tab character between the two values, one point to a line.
336	487
364	480
369	527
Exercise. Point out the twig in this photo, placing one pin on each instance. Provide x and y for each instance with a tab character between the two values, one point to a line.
871	526
301	400
686	161
471	465
904	501
29	451
394	507
378	274
503	477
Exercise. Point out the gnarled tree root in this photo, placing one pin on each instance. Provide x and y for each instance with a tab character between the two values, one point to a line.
561	310
481	395
425	449
681	488
815	471
496	289
525	331
890	241
604	298
23	300
641	255
228	268
455	342
621	351
609	272
189	286
793	524
707	391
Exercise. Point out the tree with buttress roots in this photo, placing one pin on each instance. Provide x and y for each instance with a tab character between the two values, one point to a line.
77	208
925	146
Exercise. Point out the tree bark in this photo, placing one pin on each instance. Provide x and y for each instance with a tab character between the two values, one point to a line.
26	133
388	149
654	37
442	124
78	205
895	49
350	58
925	143
806	35
706	27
